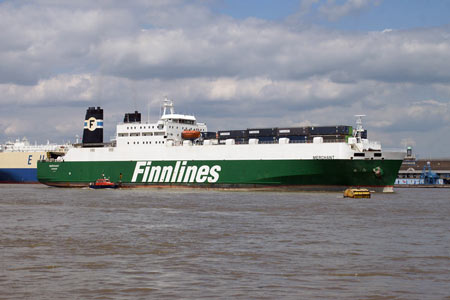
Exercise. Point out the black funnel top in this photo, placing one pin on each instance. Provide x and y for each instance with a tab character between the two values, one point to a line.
132	117
93	127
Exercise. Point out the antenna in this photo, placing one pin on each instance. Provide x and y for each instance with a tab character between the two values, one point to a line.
168	107
359	127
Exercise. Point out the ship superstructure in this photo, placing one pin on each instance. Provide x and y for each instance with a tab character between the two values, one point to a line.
169	128
178	151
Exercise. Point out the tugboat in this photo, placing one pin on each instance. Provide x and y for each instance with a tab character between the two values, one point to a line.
103	183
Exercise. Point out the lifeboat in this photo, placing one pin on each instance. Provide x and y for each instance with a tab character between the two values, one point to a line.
103	183
190	134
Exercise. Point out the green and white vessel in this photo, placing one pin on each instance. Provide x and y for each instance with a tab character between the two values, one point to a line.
161	154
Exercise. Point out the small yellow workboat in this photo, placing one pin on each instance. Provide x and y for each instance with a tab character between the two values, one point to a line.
356	193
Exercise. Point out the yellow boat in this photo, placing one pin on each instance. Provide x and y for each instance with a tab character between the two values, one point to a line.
356	193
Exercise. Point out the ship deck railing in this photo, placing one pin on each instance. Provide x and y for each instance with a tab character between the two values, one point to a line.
222	142
290	142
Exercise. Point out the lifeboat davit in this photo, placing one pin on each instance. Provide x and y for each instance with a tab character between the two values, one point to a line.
190	134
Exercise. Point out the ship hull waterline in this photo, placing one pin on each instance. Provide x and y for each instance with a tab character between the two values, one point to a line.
314	175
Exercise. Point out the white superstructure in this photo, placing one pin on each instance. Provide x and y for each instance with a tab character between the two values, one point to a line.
163	140
25	146
169	128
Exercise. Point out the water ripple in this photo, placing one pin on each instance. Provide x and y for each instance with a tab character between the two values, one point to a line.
163	244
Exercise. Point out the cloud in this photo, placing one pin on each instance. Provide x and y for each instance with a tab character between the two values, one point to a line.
60	89
146	45
333	11
417	116
58	58
430	112
251	49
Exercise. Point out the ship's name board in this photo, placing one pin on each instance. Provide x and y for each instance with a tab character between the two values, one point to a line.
54	168
323	157
144	171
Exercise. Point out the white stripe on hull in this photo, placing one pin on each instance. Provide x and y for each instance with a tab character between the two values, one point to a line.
223	152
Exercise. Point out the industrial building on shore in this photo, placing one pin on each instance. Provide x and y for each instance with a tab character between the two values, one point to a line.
423	171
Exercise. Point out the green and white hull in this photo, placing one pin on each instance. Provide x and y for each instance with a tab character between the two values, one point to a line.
162	154
304	166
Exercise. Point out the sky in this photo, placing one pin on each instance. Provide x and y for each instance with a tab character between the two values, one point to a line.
233	64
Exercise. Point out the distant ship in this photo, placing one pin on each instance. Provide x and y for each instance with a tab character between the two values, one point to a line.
18	160
178	151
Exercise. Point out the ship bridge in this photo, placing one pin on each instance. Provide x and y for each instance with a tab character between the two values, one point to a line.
169	127
177	118
169	115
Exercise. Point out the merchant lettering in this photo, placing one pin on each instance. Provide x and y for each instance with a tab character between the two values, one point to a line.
178	173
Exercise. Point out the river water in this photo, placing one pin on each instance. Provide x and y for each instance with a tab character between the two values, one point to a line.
195	244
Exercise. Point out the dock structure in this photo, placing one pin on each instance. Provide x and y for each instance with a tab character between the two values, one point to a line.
417	172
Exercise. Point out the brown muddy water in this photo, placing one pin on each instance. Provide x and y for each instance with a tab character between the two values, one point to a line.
170	244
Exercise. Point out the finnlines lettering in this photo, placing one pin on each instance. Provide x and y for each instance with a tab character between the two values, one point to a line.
180	173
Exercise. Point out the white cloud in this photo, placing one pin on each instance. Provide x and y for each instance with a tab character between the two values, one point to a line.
58	58
63	88
408	142
429	109
90	40
335	11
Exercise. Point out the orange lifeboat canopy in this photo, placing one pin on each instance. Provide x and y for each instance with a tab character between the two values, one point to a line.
190	134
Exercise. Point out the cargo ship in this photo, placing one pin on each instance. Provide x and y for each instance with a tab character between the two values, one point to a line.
178	151
18	159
